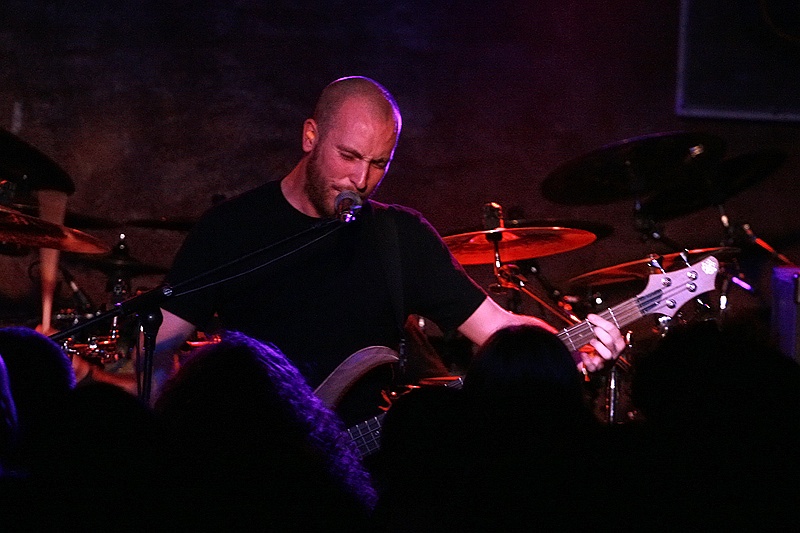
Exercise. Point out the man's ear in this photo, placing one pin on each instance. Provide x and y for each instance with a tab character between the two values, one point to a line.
310	134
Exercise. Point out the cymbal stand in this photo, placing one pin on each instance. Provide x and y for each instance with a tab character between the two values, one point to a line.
508	276
650	230
755	239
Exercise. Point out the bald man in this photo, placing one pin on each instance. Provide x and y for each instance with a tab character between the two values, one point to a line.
321	289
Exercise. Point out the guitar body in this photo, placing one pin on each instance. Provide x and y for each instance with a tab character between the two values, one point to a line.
332	390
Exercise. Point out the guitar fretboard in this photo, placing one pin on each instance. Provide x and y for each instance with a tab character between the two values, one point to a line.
620	315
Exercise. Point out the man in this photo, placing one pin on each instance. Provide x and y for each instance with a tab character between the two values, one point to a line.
320	289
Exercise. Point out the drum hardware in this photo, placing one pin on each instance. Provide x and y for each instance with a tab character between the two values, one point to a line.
72	219
164	223
497	243
118	263
482	247
640	269
713	188
24	230
633	168
29	169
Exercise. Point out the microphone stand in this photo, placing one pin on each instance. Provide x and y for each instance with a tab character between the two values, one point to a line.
147	306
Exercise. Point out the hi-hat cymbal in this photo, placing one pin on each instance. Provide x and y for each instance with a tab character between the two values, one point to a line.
28	169
732	176
516	244
641	268
165	223
19	229
114	263
632	168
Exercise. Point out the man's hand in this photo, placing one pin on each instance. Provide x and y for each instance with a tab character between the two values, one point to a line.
606	346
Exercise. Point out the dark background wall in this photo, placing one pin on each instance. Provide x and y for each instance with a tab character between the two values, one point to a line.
153	107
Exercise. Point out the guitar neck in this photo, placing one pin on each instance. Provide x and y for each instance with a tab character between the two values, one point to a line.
620	315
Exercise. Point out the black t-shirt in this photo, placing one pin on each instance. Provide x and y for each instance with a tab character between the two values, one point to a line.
320	291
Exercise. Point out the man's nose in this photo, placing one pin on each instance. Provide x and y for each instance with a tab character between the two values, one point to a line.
360	176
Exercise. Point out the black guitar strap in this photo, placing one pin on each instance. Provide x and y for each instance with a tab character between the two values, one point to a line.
383	229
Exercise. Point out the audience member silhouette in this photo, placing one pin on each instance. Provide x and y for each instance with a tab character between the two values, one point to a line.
40	376
517	448
9	431
101	465
722	431
256	449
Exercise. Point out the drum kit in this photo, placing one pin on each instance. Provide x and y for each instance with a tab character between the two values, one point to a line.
33	216
654	173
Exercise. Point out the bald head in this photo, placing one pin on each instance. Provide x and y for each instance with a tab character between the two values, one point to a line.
375	96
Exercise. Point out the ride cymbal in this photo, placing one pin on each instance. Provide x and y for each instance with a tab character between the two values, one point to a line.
632	168
729	178
28	169
515	244
641	268
19	229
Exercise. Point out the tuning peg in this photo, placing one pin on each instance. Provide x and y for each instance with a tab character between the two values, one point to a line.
655	262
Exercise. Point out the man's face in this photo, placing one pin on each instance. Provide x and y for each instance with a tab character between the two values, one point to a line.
351	154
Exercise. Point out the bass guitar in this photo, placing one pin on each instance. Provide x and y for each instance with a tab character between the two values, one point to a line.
665	294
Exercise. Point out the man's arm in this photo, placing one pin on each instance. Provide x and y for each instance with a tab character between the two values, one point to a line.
172	333
490	317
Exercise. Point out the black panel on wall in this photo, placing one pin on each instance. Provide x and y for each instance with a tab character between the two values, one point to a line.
739	59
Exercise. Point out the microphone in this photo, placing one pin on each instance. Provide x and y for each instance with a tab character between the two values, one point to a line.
346	206
80	297
493	220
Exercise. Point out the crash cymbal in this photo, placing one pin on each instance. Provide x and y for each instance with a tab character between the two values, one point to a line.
641	269
632	168
19	229
165	223
516	244
729	178
28	169
600	230
72	219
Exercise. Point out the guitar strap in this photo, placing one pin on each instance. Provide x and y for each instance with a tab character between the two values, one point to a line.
383	233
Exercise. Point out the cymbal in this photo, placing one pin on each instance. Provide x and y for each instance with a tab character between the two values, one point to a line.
641	269
732	176
516	244
632	168
23	230
600	229
28	168
118	263
165	223
71	219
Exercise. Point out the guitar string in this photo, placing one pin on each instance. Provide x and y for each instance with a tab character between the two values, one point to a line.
627	311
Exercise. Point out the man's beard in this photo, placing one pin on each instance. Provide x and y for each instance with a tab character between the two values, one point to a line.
317	188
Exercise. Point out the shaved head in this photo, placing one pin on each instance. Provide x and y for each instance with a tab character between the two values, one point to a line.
381	103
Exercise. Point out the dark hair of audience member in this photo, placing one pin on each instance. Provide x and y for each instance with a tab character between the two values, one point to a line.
258	446
101	465
535	452
40	375
516	446
722	410
8	421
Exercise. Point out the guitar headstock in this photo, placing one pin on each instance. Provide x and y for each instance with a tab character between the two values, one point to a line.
666	292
